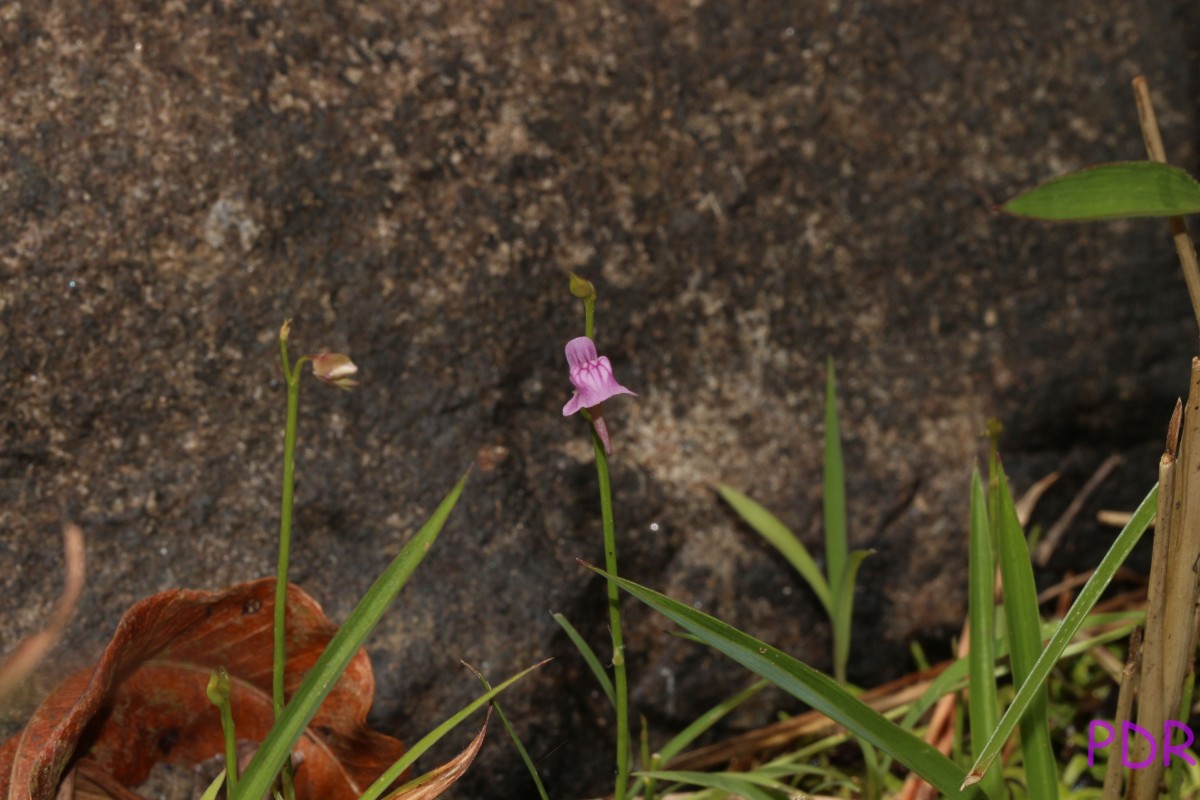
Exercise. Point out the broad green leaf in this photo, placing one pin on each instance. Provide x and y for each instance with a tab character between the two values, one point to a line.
810	686
1025	643
1078	613
783	540
1111	191
268	760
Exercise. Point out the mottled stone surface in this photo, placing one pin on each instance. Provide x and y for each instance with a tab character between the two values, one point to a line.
752	186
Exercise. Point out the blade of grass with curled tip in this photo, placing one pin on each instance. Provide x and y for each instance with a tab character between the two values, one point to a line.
516	740
782	539
1111	191
589	657
268	760
1070	625
808	685
843	603
1025	643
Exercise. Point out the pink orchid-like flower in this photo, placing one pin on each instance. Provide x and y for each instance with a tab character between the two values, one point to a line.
592	377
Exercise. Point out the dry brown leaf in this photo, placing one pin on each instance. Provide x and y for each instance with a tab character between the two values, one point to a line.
144	702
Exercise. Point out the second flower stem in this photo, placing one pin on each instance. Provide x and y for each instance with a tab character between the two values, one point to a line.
291	375
620	682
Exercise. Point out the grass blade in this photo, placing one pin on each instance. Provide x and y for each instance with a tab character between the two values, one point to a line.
745	785
834	492
1025	644
807	684
1111	191
782	539
268	760
698	726
844	604
516	740
589	656
376	789
1067	629
983	699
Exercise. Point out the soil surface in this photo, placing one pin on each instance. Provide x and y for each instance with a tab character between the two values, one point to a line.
753	187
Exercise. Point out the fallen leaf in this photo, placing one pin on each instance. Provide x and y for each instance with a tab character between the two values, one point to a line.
144	702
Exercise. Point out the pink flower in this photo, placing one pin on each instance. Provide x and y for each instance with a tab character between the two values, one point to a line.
592	377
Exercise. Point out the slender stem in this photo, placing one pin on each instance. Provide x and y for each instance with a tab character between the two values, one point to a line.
231	758
614	620
285	541
589	310
1179	231
292	375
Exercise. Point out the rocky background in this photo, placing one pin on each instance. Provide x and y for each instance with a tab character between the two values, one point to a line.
752	186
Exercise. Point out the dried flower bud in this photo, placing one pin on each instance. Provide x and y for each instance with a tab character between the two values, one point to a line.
335	369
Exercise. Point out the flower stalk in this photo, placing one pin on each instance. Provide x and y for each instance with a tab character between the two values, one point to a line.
592	377
337	370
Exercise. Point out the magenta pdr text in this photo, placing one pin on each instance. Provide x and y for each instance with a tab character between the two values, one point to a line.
1129	730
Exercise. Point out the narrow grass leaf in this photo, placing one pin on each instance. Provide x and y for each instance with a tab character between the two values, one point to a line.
1034	683
983	697
834	492
844	613
268	760
589	657
810	686
782	539
1111	191
516	740
1025	644
377	789
744	785
702	723
214	789
706	720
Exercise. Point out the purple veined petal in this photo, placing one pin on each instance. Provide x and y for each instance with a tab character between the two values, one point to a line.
580	351
591	375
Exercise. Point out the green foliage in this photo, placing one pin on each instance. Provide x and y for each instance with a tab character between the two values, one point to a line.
1111	191
269	759
1034	683
812	687
835	588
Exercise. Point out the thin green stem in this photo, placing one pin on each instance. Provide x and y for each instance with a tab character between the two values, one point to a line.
292	376
620	682
589	310
285	540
